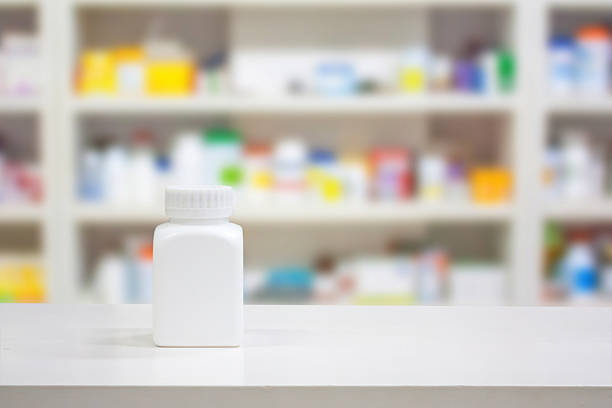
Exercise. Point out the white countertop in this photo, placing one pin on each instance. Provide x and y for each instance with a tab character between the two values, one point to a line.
315	346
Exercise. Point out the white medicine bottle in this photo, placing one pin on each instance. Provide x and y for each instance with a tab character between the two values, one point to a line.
197	270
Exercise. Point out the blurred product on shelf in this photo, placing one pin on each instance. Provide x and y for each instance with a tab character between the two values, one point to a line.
142	171
593	60
506	71
579	267
488	64
19	64
432	176
212	75
96	72
391	173
355	178
160	67
562	69
481	71
484	71
404	276
289	165
413	70
406	273
574	167
441	74
490	185
335	78
164	67
222	157
323	175
581	64
258	172
20	179
21	278
456	187
187	159
170	68
131	70
287	172
578	263
127	276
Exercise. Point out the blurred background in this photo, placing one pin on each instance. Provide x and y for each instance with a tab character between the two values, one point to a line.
382	152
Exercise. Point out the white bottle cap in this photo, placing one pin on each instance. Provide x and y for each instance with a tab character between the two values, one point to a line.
200	202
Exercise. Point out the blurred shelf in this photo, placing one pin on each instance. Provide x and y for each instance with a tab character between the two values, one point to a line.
596	301
580	4
297	3
295	105
17	3
19	104
582	105
593	210
117	214
374	213
24	213
328	214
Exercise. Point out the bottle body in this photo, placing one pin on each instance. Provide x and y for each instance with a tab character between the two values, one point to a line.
197	287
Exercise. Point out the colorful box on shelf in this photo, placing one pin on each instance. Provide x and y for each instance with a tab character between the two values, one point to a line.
21	279
129	71
170	78
97	74
491	185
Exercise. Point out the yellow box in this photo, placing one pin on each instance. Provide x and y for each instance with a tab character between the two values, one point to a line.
170	78
491	185
412	80
97	72
30	288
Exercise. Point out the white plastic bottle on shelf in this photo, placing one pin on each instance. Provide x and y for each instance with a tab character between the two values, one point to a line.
577	165
142	177
90	187
110	280
187	159
579	268
488	64
354	176
594	60
432	169
441	73
115	183
197	270
553	171
561	65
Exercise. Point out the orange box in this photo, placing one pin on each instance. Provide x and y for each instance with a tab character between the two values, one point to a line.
490	185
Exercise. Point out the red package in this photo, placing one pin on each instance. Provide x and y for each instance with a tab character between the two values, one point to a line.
391	173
